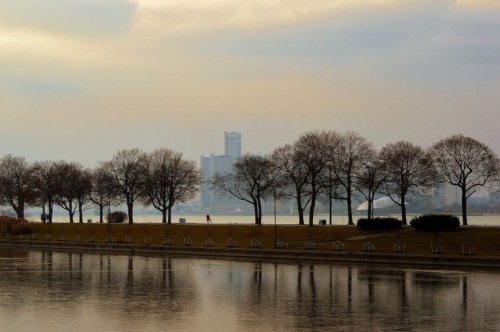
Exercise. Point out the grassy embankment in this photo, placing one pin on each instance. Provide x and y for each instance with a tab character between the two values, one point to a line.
485	239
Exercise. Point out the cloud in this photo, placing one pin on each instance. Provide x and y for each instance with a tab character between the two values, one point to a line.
202	16
178	73
478	3
81	17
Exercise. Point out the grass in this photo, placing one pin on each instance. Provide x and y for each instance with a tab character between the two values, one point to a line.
485	239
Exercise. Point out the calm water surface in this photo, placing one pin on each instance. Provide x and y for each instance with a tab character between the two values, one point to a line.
55	291
474	220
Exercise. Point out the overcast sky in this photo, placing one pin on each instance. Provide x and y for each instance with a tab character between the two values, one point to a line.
82	79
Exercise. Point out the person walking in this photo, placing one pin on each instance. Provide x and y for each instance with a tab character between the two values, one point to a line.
209	221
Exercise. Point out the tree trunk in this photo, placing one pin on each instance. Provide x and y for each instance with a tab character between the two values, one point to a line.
80	212
311	209
403	211
300	209
349	210
20	213
464	208
256	213
51	209
330	208
101	213
20	209
349	202
130	209
164	216
259	208
43	213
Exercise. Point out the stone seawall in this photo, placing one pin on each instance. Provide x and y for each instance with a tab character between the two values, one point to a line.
458	261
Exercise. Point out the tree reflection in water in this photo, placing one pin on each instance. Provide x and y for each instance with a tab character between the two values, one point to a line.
128	293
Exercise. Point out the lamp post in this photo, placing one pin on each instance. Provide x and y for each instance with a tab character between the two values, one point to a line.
370	189
330	195
108	237
275	238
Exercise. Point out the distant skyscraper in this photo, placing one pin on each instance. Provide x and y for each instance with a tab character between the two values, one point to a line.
209	166
210	201
232	144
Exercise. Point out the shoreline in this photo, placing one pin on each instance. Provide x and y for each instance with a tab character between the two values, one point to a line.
282	255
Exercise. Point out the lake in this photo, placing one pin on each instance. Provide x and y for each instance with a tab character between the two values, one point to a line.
63	291
475	220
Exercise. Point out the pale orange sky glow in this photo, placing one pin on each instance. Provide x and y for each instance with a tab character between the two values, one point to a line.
82	79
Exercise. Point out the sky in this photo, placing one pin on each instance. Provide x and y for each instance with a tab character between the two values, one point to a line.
83	79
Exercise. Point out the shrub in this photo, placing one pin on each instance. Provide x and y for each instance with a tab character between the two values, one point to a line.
435	222
116	217
379	223
12	225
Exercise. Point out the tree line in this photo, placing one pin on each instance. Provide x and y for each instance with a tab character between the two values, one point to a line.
320	166
161	179
328	165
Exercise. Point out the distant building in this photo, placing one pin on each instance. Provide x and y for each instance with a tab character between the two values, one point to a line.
446	195
210	200
209	166
232	144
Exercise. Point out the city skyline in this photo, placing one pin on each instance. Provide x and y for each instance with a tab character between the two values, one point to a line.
81	80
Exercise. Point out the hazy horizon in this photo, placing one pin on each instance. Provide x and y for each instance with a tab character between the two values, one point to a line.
82	79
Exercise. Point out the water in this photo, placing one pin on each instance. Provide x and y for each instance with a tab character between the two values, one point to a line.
62	291
477	220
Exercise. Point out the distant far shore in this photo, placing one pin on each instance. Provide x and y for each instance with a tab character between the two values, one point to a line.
483	219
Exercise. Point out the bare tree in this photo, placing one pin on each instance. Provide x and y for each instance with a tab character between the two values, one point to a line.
349	154
129	170
69	178
15	186
312	153
83	188
171	180
466	163
295	184
253	180
370	181
409	172
43	177
103	192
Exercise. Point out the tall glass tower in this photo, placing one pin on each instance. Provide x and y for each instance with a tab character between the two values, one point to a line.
232	144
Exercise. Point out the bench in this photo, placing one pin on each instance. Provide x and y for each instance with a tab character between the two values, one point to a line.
309	245
187	241
231	242
338	246
369	247
399	247
281	245
254	243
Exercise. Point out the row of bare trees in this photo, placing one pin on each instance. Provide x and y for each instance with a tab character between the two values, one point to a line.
161	179
318	166
328	165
